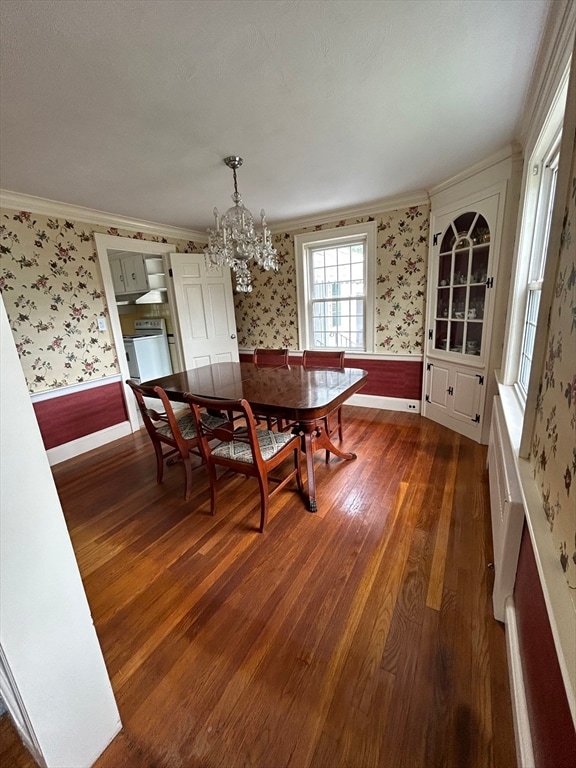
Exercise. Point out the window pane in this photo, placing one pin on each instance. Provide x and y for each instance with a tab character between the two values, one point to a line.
331	257
357	288
343	289
332	274
528	340
344	272
539	272
344	255
357	252
317	259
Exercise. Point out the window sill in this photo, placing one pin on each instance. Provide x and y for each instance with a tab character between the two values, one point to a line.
513	408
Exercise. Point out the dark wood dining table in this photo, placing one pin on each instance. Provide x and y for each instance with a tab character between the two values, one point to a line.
295	394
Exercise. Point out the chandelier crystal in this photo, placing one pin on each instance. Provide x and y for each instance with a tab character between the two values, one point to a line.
234	241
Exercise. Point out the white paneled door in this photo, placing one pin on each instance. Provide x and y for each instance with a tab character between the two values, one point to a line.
204	310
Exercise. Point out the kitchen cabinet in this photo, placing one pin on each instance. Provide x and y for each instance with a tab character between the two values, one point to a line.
461	282
128	273
136	273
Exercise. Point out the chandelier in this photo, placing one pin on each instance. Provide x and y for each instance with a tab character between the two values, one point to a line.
234	240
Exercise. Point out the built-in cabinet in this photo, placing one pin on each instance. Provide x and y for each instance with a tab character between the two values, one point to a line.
136	273
461	284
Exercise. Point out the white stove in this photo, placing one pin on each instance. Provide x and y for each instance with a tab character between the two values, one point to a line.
147	349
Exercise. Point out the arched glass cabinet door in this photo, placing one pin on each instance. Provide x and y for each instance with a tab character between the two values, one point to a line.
461	283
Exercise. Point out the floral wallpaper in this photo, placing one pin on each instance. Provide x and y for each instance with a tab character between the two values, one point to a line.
554	437
269	315
53	292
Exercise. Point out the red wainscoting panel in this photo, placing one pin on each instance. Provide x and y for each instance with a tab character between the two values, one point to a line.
392	378
66	418
553	735
386	378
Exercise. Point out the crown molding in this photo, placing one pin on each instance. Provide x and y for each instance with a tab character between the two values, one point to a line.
510	152
419	197
20	202
552	63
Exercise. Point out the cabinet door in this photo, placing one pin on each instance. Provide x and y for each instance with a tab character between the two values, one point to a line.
454	397
461	279
439	385
134	269
117	276
466	396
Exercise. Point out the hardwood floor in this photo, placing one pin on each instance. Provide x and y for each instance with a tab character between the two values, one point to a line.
358	637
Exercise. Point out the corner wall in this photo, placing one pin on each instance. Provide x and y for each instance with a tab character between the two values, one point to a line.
54	679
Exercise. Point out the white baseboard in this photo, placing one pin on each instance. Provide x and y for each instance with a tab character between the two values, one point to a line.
385	403
524	751
87	443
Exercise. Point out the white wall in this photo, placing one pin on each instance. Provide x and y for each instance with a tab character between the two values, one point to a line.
51	662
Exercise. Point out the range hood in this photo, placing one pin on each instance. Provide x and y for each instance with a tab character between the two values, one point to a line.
154	296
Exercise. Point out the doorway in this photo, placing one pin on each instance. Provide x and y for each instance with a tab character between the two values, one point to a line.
111	243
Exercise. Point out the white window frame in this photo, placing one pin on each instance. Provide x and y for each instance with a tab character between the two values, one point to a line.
547	174
532	245
303	245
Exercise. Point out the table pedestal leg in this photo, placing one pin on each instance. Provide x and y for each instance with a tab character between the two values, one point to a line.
314	438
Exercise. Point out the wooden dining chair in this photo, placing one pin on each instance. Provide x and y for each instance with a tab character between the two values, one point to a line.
278	358
174	439
244	449
273	358
313	358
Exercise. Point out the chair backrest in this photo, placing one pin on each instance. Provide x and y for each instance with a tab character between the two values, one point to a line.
170	436
271	357
242	433
154	420
149	415
313	358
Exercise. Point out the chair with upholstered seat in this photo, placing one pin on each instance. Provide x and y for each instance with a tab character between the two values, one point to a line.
174	439
313	358
244	449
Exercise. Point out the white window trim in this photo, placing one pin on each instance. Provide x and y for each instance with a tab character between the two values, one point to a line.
331	237
547	173
543	149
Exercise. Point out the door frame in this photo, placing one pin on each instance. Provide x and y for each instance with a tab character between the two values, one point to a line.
104	243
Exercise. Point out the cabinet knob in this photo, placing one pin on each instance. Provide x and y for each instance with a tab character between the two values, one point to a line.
232	335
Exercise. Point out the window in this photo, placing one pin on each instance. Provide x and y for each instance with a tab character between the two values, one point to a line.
335	288
537	207
548	173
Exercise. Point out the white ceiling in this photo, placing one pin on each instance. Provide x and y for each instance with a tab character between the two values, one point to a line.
129	106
